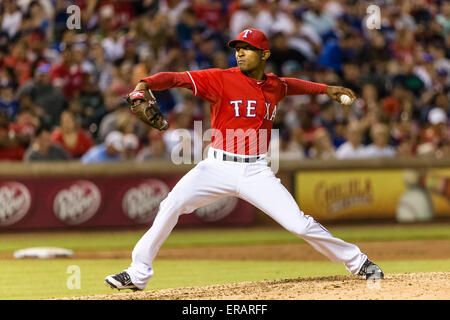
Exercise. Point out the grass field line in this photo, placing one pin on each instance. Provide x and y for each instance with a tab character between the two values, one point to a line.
22	279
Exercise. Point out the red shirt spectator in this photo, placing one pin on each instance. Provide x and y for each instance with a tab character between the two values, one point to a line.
19	62
74	140
121	11
67	75
209	12
404	45
9	150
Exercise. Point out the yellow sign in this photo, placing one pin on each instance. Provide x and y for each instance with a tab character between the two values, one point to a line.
369	193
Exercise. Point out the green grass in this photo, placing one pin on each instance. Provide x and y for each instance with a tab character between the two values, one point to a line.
36	279
110	240
41	279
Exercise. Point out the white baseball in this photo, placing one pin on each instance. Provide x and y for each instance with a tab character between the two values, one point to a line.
345	99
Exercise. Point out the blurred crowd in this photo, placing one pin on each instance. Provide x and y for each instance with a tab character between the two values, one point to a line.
62	87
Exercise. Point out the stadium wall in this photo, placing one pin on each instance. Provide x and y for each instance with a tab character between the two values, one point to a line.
65	195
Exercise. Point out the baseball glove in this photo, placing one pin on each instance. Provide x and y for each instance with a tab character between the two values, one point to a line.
143	105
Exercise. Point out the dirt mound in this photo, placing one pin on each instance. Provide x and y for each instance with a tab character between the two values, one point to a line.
426	286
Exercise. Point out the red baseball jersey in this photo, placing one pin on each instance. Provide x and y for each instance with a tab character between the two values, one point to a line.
242	109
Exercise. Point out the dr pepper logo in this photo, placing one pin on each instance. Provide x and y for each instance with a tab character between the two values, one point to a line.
141	203
15	201
77	203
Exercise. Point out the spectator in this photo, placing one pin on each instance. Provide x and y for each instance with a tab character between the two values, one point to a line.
273	19
18	61
174	9
131	146
99	67
180	138
326	118
337	135
406	136
114	44
304	38
36	19
12	18
379	148
144	67
43	149
370	97
376	52
208	13
435	139
91	105
71	137
60	19
114	105
244	17
109	151
443	18
23	129
204	51
67	75
403	47
322	147
351	77
286	146
8	103
353	147
41	97
305	134
282	142
121	83
319	20
185	27
130	55
156	148
10	148
399	71
282	54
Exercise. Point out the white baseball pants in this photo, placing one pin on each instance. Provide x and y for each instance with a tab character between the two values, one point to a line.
255	182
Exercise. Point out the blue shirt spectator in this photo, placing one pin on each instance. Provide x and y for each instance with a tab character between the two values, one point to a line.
109	151
331	56
7	101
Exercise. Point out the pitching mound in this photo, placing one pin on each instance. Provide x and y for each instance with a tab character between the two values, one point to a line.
428	286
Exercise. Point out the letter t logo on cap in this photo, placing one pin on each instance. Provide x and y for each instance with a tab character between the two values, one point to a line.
246	32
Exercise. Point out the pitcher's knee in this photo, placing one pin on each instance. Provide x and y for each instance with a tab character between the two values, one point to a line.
175	205
300	226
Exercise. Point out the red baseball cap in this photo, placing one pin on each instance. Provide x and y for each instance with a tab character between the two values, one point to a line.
253	37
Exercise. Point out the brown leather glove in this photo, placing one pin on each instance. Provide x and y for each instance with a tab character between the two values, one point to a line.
143	104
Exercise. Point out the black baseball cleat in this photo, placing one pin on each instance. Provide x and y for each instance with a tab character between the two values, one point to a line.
370	271
121	281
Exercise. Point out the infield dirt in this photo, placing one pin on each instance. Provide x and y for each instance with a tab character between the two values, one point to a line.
393	250
427	286
417	286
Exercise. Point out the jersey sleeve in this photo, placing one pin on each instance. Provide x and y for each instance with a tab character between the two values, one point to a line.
206	84
295	86
167	80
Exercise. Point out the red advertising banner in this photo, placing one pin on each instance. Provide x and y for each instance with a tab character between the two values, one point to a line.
113	201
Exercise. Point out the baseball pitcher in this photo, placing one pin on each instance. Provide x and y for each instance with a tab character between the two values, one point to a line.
244	102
